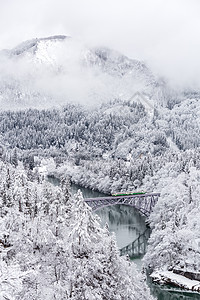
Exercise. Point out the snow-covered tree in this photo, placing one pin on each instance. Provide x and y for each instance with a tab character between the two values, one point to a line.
174	242
95	269
10	281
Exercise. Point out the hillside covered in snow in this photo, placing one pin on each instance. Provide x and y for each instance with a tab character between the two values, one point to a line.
108	123
52	71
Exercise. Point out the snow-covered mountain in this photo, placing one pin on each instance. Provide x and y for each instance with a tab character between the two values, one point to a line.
149	142
34	46
55	70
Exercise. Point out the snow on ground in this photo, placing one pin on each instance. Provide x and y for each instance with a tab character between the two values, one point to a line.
176	279
172	145
47	167
118	110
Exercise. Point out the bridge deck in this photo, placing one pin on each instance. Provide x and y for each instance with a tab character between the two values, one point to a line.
143	202
119	197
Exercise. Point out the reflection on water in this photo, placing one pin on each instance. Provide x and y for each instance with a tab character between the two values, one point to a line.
169	293
127	223
124	221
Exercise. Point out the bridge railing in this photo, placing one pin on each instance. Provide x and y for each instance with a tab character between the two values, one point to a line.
125	196
144	203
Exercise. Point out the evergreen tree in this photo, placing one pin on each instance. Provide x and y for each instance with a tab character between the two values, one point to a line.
95	269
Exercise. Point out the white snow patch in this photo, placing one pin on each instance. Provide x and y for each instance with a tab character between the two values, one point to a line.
179	280
172	145
118	110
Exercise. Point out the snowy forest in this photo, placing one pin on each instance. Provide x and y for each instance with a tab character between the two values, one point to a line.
52	246
51	243
106	151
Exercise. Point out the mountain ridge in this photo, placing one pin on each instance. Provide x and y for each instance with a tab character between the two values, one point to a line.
54	70
28	44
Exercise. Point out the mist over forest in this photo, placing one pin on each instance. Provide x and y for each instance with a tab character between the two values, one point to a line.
103	118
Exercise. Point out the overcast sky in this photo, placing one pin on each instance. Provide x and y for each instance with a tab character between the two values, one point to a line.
165	33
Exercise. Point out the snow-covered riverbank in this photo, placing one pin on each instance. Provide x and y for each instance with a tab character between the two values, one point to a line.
168	277
175	238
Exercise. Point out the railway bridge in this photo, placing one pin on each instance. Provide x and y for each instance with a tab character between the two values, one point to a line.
144	203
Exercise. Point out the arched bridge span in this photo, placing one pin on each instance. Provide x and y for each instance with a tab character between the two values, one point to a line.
144	203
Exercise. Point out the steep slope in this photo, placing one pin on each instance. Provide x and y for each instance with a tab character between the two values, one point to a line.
33	46
55	70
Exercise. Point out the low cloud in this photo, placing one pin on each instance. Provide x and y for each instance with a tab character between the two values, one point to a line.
163	33
56	74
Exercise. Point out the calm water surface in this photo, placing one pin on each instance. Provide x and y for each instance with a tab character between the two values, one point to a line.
127	224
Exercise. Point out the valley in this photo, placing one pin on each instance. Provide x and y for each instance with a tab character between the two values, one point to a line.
96	118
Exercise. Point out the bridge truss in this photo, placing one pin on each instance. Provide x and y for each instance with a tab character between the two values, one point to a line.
143	203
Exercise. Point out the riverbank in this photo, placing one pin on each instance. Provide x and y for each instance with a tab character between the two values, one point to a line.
177	283
177	280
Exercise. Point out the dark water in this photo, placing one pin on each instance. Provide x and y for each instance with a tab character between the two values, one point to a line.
169	293
124	221
127	223
87	193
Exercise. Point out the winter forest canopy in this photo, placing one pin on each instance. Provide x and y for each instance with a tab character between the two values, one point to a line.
52	246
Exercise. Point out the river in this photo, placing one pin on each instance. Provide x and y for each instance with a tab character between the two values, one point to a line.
127	224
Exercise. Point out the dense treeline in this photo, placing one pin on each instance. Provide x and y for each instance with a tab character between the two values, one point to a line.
115	175
118	147
121	128
33	129
52	246
175	240
119	142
